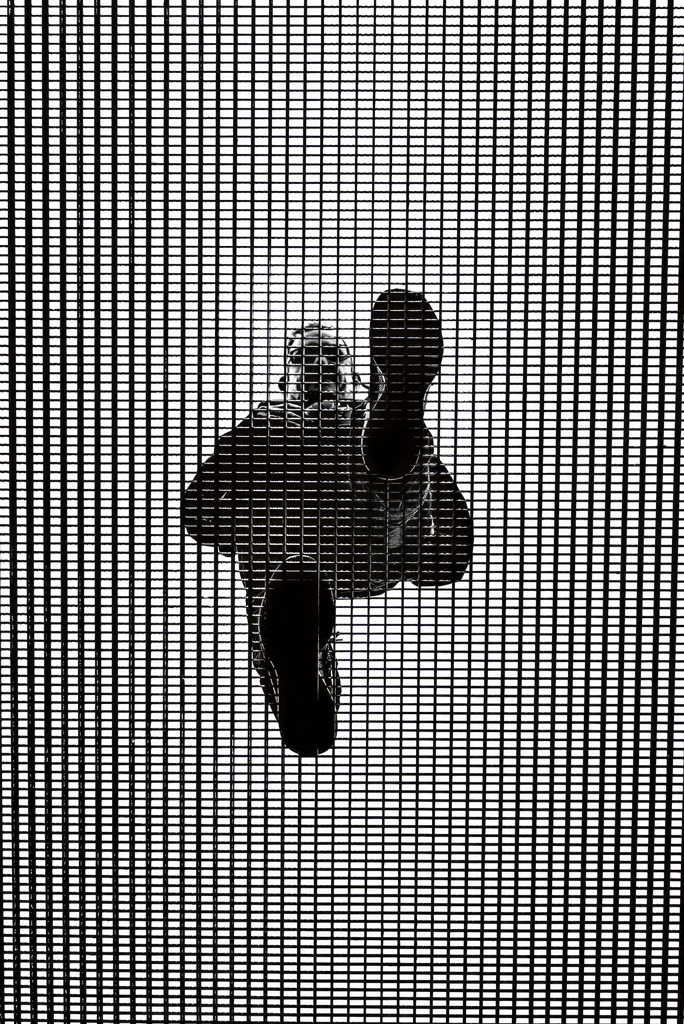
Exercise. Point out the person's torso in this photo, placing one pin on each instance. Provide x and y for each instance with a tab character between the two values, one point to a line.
288	456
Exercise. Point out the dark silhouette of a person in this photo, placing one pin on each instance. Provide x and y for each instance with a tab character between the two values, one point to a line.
325	495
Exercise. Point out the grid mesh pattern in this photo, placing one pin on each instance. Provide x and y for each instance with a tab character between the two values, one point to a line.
497	833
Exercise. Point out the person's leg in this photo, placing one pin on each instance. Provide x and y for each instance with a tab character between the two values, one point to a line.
255	594
420	516
296	627
438	541
291	613
392	450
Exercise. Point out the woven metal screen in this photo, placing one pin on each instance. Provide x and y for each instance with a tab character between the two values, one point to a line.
496	834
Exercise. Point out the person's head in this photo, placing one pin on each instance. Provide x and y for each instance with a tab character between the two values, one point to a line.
319	369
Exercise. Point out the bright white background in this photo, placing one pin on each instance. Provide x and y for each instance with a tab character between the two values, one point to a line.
477	846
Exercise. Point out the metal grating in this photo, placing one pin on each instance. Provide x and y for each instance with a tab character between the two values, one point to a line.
497	833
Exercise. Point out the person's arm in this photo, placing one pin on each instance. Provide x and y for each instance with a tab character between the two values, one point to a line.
206	505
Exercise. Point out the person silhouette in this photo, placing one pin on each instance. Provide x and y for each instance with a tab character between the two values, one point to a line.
323	495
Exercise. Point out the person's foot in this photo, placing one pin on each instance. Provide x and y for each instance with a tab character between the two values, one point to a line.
296	628
406	354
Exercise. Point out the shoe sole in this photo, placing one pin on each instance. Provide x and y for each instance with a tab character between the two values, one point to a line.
298	620
407	347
